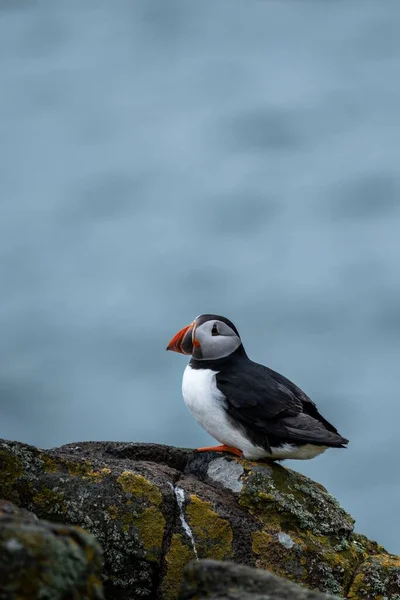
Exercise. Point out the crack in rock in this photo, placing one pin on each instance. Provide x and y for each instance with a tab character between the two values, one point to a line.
180	499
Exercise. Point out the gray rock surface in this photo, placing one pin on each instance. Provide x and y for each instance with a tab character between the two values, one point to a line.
216	580
46	561
155	508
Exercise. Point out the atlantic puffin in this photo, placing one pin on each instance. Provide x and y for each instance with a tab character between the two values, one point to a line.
253	411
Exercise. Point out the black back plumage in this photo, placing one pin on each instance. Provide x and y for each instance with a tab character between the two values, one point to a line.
271	409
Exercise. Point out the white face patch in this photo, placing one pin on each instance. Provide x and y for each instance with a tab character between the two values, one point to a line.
216	340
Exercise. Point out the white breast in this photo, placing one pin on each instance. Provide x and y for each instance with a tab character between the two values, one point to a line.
206	403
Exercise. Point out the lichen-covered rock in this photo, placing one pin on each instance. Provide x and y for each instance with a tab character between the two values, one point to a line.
44	560
215	580
377	578
128	505
155	508
293	527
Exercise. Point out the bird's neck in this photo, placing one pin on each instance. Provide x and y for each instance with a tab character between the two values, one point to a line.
218	364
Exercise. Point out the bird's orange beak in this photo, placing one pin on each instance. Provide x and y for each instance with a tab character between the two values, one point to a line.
183	341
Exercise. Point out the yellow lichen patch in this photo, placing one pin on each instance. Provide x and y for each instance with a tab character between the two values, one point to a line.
388	561
266	497
262	507
344	554
10	470
275	557
93	474
78	467
261	540
272	489
337	563
139	486
176	558
113	512
94	588
212	533
127	519
50	465
356	587
295	556
97	476
247	464
90	552
378	577
151	526
365	546
49	501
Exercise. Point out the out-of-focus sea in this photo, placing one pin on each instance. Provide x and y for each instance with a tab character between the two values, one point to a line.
160	159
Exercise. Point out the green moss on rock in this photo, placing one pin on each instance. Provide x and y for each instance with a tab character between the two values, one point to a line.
290	500
305	535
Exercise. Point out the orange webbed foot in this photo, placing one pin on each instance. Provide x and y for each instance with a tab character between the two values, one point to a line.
222	448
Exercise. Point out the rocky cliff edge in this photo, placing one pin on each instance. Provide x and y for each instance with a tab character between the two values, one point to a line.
153	509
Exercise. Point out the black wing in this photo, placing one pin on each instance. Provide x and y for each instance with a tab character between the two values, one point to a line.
273	408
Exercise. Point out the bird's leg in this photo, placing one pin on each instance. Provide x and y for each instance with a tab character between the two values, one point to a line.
223	448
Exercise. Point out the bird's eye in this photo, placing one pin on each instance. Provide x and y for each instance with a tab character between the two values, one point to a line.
214	330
